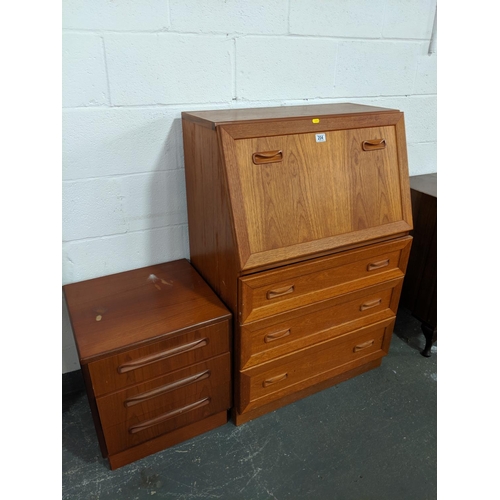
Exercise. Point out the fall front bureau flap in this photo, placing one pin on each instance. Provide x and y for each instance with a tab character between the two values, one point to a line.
302	185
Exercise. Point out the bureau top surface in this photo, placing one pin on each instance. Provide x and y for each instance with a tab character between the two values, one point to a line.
113	312
218	117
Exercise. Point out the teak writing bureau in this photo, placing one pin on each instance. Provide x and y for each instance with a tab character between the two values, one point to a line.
154	349
299	219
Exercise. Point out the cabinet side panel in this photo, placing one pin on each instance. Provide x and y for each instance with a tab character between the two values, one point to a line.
211	236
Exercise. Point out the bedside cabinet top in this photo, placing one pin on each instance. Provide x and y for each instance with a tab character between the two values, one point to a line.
111	313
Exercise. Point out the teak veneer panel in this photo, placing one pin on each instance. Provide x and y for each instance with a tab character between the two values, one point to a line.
321	197
301	284
154	346
264	340
296	395
270	381
328	188
111	313
124	427
299	219
217	117
143	363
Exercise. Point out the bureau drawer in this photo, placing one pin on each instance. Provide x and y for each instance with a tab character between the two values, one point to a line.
274	380
272	292
267	339
153	360
145	411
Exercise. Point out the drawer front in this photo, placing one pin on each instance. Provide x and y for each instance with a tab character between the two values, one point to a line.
265	383
273	292
148	410
151	361
264	340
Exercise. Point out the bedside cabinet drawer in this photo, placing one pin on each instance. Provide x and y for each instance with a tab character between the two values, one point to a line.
144	363
152	396
274	292
270	338
277	379
148	410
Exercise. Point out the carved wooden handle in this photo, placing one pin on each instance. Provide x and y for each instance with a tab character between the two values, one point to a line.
278	292
377	265
276	335
373	144
166	416
364	345
267	157
370	304
166	388
274	380
146	360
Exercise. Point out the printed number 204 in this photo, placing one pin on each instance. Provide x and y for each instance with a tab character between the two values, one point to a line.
320	138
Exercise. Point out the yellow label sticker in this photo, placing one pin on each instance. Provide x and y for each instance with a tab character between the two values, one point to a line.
315	120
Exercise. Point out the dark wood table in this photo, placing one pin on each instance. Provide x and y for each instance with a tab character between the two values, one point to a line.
419	293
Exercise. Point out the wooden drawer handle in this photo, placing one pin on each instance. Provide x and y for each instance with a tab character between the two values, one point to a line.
370	304
166	416
377	265
146	360
267	157
277	335
166	388
278	292
373	144
364	345
274	380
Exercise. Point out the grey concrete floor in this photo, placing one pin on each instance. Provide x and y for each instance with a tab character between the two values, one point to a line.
369	438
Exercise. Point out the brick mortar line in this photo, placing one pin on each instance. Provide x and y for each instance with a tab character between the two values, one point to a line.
184	106
237	34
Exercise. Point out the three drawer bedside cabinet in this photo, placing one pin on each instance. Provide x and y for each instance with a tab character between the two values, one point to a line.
154	348
299	219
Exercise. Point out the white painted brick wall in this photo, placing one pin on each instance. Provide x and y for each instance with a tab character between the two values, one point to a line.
355	18
110	141
284	67
230	16
369	68
120	15
168	68
130	68
84	80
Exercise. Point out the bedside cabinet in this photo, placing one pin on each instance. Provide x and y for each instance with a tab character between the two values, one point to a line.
299	219
154	348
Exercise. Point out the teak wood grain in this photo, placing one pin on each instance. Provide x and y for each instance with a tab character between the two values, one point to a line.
269	381
167	440
154	346
212	242
368	200
242	418
143	363
296	214
264	340
111	313
148	398
335	193
214	118
124	427
321	279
